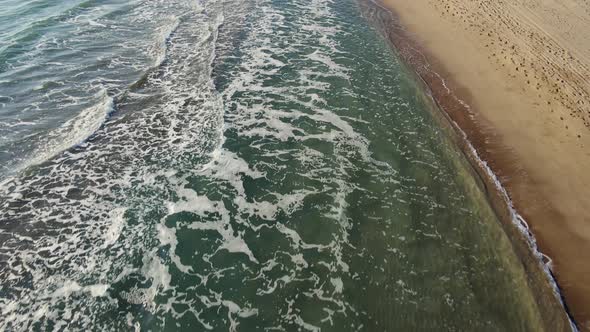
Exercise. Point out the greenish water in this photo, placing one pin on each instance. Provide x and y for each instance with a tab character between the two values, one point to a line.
272	166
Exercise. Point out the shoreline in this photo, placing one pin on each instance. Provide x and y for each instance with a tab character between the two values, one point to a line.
527	111
493	167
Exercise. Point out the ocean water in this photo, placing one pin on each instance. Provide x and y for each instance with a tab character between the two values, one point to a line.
225	165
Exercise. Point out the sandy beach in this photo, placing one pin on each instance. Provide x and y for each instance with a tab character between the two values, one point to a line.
521	70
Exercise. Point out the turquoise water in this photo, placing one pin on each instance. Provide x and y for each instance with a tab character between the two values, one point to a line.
231	165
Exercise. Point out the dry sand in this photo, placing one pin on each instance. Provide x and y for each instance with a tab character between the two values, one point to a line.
523	66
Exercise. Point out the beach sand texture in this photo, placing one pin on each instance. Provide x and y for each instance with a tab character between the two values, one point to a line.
523	67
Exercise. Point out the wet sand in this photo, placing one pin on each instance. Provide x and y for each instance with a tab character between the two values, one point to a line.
513	76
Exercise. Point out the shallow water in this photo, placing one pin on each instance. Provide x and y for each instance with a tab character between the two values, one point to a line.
234	165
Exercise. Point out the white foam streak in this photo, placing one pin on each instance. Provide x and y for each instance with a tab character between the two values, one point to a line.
226	165
163	35
117	224
74	131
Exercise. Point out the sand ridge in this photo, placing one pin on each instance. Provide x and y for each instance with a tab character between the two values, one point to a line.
523	68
